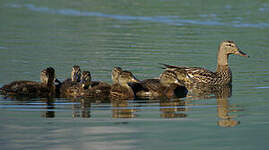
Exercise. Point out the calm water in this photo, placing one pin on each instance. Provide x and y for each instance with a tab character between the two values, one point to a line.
135	35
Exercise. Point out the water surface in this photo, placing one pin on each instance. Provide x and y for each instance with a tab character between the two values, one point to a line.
135	35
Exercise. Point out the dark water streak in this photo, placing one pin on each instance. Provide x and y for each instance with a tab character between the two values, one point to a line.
171	20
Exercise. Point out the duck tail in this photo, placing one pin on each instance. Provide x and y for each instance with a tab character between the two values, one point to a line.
164	66
170	66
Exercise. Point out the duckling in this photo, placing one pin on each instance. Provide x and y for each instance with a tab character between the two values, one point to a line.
75	74
94	89
121	90
195	76
115	74
68	86
167	86
32	89
86	79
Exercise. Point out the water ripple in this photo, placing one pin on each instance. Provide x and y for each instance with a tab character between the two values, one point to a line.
263	87
1	47
171	20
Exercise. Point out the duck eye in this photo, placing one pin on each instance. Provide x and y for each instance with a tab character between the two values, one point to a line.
230	45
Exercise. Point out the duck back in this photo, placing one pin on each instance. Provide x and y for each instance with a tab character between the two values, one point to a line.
25	88
119	92
98	90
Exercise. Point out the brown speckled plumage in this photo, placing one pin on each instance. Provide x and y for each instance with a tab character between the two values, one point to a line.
199	76
32	89
162	88
97	90
71	86
121	89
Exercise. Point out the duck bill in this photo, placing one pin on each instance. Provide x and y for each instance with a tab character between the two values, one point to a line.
240	53
135	80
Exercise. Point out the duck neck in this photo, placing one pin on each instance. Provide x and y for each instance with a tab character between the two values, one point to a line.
222	58
51	86
222	61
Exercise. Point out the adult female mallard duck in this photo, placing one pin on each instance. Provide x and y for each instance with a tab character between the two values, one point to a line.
167	86
195	76
121	89
32	89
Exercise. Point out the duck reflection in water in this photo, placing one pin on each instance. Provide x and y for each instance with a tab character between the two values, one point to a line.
221	94
173	108
81	108
224	108
122	109
50	106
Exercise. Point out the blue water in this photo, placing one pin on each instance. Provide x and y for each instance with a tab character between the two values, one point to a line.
203	19
137	36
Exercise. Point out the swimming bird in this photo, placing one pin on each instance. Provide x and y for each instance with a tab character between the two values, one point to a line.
167	86
45	88
68	86
115	74
93	89
196	76
75	74
121	89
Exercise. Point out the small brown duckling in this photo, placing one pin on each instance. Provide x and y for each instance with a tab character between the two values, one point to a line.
94	89
121	90
75	73
115	74
32	89
168	86
68	86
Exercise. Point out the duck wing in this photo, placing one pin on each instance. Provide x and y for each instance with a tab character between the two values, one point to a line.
118	92
98	90
201	75
166	66
149	88
20	88
190	75
151	84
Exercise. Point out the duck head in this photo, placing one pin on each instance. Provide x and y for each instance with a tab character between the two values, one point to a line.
225	49
115	74
125	77
229	47
86	79
169	77
76	73
47	76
